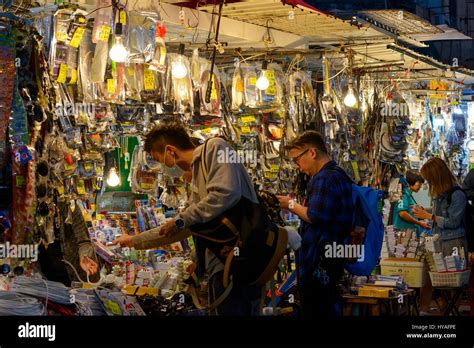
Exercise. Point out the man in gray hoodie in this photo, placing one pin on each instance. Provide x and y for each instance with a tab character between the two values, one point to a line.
227	182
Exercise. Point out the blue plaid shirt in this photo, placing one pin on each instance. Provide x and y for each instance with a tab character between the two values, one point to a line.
330	209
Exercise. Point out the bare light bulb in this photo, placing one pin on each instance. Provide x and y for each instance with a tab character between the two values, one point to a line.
178	69
350	99
113	178
118	52
262	82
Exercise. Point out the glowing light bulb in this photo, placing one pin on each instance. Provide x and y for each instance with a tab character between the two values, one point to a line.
118	53
178	69
350	99
262	82
113	179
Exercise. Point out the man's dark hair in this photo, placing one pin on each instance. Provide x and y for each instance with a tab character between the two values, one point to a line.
168	133
308	138
413	177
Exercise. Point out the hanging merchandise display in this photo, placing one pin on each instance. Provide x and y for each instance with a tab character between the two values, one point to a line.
82	86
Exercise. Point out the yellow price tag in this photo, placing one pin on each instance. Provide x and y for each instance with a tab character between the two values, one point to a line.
149	79
206	131
104	33
88	166
213	90
271	86
73	79
76	38
61	36
246	129
355	168
248	119
130	71
123	17
62	73
81	189
270	175
274	168
191	242
146	186
162	55
20	180
69	167
252	81
99	217
111	86
61	190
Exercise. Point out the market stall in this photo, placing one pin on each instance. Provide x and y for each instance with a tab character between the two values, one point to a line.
84	82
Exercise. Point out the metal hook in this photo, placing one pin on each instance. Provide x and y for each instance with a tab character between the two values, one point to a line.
197	20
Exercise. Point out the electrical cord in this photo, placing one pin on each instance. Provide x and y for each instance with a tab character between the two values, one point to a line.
20	305
55	291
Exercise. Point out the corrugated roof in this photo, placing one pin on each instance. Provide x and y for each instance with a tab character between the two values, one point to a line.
307	22
399	22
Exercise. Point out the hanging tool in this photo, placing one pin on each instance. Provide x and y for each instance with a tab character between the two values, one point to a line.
211	75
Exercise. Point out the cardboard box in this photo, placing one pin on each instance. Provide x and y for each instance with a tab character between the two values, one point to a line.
412	270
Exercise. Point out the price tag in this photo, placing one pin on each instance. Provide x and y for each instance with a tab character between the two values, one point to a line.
81	189
274	168
271	79
20	181
162	55
246	129
149	80
69	167
88	166
73	79
191	242
270	175
76	38
104	33
123	17
248	119
61	36
60	190
130	71
213	90
62	73
355	169
206	131
252	81
111	86
146	186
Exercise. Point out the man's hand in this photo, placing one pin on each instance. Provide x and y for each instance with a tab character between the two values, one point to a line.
88	265
168	228
424	225
421	213
284	201
124	240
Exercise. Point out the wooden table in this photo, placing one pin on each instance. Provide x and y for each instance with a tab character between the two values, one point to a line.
375	306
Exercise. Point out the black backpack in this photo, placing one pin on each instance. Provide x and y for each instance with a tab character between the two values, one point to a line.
468	219
244	239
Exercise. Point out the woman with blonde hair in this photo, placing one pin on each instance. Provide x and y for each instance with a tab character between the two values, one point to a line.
449	204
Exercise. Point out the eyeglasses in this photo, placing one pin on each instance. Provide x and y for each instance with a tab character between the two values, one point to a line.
297	158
